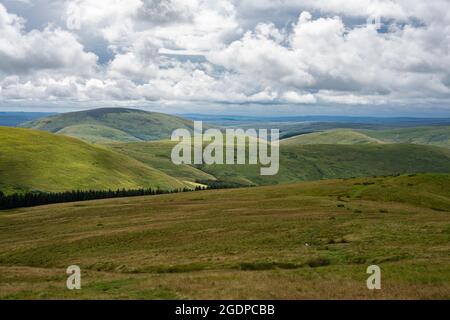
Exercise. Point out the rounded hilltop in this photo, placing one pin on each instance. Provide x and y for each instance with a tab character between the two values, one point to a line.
112	125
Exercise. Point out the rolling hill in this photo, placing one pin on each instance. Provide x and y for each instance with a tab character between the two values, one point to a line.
97	134
338	136
33	160
318	162
303	241
112	124
302	162
436	136
157	155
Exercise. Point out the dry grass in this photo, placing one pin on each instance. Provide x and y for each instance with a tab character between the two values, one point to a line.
284	242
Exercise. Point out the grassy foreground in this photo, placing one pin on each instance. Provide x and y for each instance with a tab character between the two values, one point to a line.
302	241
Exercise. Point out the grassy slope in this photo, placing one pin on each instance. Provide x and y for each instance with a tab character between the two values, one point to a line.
157	155
437	136
304	162
338	136
315	162
36	160
136	123
310	240
97	134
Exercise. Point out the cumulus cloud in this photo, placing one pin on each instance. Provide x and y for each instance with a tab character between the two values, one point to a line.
324	56
198	52
51	49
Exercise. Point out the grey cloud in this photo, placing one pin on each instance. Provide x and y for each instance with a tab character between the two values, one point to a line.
249	52
160	12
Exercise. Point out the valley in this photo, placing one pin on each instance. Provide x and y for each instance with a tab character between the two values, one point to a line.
344	198
232	152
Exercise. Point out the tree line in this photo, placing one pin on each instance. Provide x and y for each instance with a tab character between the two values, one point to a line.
31	199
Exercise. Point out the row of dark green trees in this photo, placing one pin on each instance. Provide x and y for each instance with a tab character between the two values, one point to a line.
31	199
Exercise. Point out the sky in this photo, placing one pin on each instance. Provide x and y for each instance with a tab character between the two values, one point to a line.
254	57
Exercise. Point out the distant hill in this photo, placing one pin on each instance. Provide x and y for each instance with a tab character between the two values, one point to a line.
334	154
39	161
390	121
93	133
112	124
290	126
318	162
338	136
303	162
436	136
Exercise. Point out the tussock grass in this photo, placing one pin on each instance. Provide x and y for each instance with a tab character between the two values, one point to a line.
262	243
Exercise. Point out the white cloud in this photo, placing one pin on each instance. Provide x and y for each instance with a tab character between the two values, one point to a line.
229	52
51	49
325	56
176	24
294	97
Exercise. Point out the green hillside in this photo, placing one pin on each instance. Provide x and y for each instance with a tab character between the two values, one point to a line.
93	133
35	160
436	136
317	162
338	136
303	162
157	155
302	241
104	125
